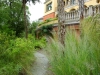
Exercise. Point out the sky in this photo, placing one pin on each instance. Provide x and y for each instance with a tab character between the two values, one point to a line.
37	10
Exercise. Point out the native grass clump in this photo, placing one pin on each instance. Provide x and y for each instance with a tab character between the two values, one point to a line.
80	56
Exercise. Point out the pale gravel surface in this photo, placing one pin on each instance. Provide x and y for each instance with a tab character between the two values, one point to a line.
40	66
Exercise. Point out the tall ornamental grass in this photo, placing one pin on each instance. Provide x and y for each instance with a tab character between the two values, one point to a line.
80	56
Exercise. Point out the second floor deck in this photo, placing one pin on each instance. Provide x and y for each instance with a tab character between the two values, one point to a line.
73	16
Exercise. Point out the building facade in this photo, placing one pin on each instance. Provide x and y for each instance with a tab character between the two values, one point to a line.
92	7
50	7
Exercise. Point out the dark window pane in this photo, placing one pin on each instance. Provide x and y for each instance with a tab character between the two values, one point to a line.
49	6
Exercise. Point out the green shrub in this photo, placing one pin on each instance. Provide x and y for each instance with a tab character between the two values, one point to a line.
4	42
16	55
40	43
81	56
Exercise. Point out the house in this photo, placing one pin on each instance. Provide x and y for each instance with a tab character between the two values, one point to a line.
50	7
92	7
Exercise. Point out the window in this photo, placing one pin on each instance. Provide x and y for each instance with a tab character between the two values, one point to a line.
72	1
49	6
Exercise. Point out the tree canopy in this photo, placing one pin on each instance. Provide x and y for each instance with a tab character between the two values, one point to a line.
11	17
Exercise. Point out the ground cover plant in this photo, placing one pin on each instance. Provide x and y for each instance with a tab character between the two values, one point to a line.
81	55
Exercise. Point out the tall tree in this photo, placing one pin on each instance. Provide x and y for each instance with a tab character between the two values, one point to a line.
81	9
61	21
25	21
9	19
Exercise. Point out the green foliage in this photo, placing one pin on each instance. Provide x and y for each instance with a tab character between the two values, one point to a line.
45	31
48	20
33	27
79	56
16	55
33	1
40	43
11	19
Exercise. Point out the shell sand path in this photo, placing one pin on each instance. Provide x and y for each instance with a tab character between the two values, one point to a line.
40	65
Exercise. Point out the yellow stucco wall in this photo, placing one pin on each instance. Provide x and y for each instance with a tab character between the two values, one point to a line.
54	5
67	8
75	6
91	2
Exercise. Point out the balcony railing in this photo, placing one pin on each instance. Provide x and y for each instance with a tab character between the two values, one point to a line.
73	16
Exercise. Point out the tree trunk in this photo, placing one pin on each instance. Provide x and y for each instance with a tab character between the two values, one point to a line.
81	9
25	21
61	21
